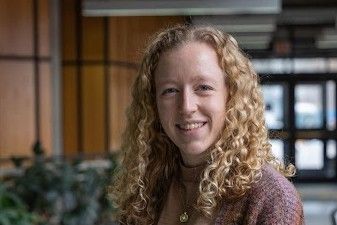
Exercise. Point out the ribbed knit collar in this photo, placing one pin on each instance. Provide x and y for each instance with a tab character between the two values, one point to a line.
191	174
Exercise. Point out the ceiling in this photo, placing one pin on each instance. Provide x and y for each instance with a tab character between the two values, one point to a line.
301	28
265	28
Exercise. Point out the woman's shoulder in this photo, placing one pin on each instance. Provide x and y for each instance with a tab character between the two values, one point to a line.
274	200
273	184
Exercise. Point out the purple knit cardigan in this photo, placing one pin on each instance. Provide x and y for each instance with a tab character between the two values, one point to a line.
271	201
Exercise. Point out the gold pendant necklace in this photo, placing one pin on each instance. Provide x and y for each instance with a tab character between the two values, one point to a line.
183	217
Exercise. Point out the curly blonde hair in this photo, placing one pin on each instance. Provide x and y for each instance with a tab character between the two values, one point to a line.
151	159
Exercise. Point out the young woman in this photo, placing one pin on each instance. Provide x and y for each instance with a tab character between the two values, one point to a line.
196	145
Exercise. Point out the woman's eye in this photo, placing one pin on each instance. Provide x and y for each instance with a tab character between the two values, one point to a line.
169	91
205	87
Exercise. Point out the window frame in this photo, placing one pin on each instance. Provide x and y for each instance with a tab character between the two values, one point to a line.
290	133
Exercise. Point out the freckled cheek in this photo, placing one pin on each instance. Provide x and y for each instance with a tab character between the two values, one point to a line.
217	112
166	114
163	106
215	105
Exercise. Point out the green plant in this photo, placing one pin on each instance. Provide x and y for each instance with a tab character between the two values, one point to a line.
65	193
13	211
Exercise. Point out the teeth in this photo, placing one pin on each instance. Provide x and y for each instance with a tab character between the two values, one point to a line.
190	126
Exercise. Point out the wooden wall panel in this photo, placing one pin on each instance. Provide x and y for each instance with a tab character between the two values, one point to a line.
127	38
129	35
16	27
17	85
92	38
70	112
44	27
121	81
93	109
46	107
17	128
68	30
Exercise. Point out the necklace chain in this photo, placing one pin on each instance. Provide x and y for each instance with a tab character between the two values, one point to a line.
185	215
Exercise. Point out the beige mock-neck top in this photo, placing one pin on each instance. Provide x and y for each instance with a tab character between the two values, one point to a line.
175	202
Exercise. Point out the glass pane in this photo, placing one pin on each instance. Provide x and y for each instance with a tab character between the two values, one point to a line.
309	154
273	98
297	65
332	65
314	65
277	149
331	105
278	66
308	106
331	158
331	149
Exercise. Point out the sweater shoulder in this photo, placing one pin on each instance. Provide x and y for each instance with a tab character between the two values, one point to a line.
275	200
273	182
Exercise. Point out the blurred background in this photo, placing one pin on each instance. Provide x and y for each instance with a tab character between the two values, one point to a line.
66	71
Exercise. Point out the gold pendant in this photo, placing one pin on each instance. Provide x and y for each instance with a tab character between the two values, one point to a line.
183	217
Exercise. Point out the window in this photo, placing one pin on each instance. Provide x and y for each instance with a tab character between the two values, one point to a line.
278	149
300	112
309	154
274	108
308	106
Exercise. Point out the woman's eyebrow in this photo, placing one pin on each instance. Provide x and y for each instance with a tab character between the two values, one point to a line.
165	81
201	78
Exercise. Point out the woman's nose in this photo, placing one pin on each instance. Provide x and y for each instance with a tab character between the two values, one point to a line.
187	102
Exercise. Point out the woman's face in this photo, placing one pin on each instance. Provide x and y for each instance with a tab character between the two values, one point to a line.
191	97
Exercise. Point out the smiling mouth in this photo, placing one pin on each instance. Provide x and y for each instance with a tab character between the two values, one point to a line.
190	126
